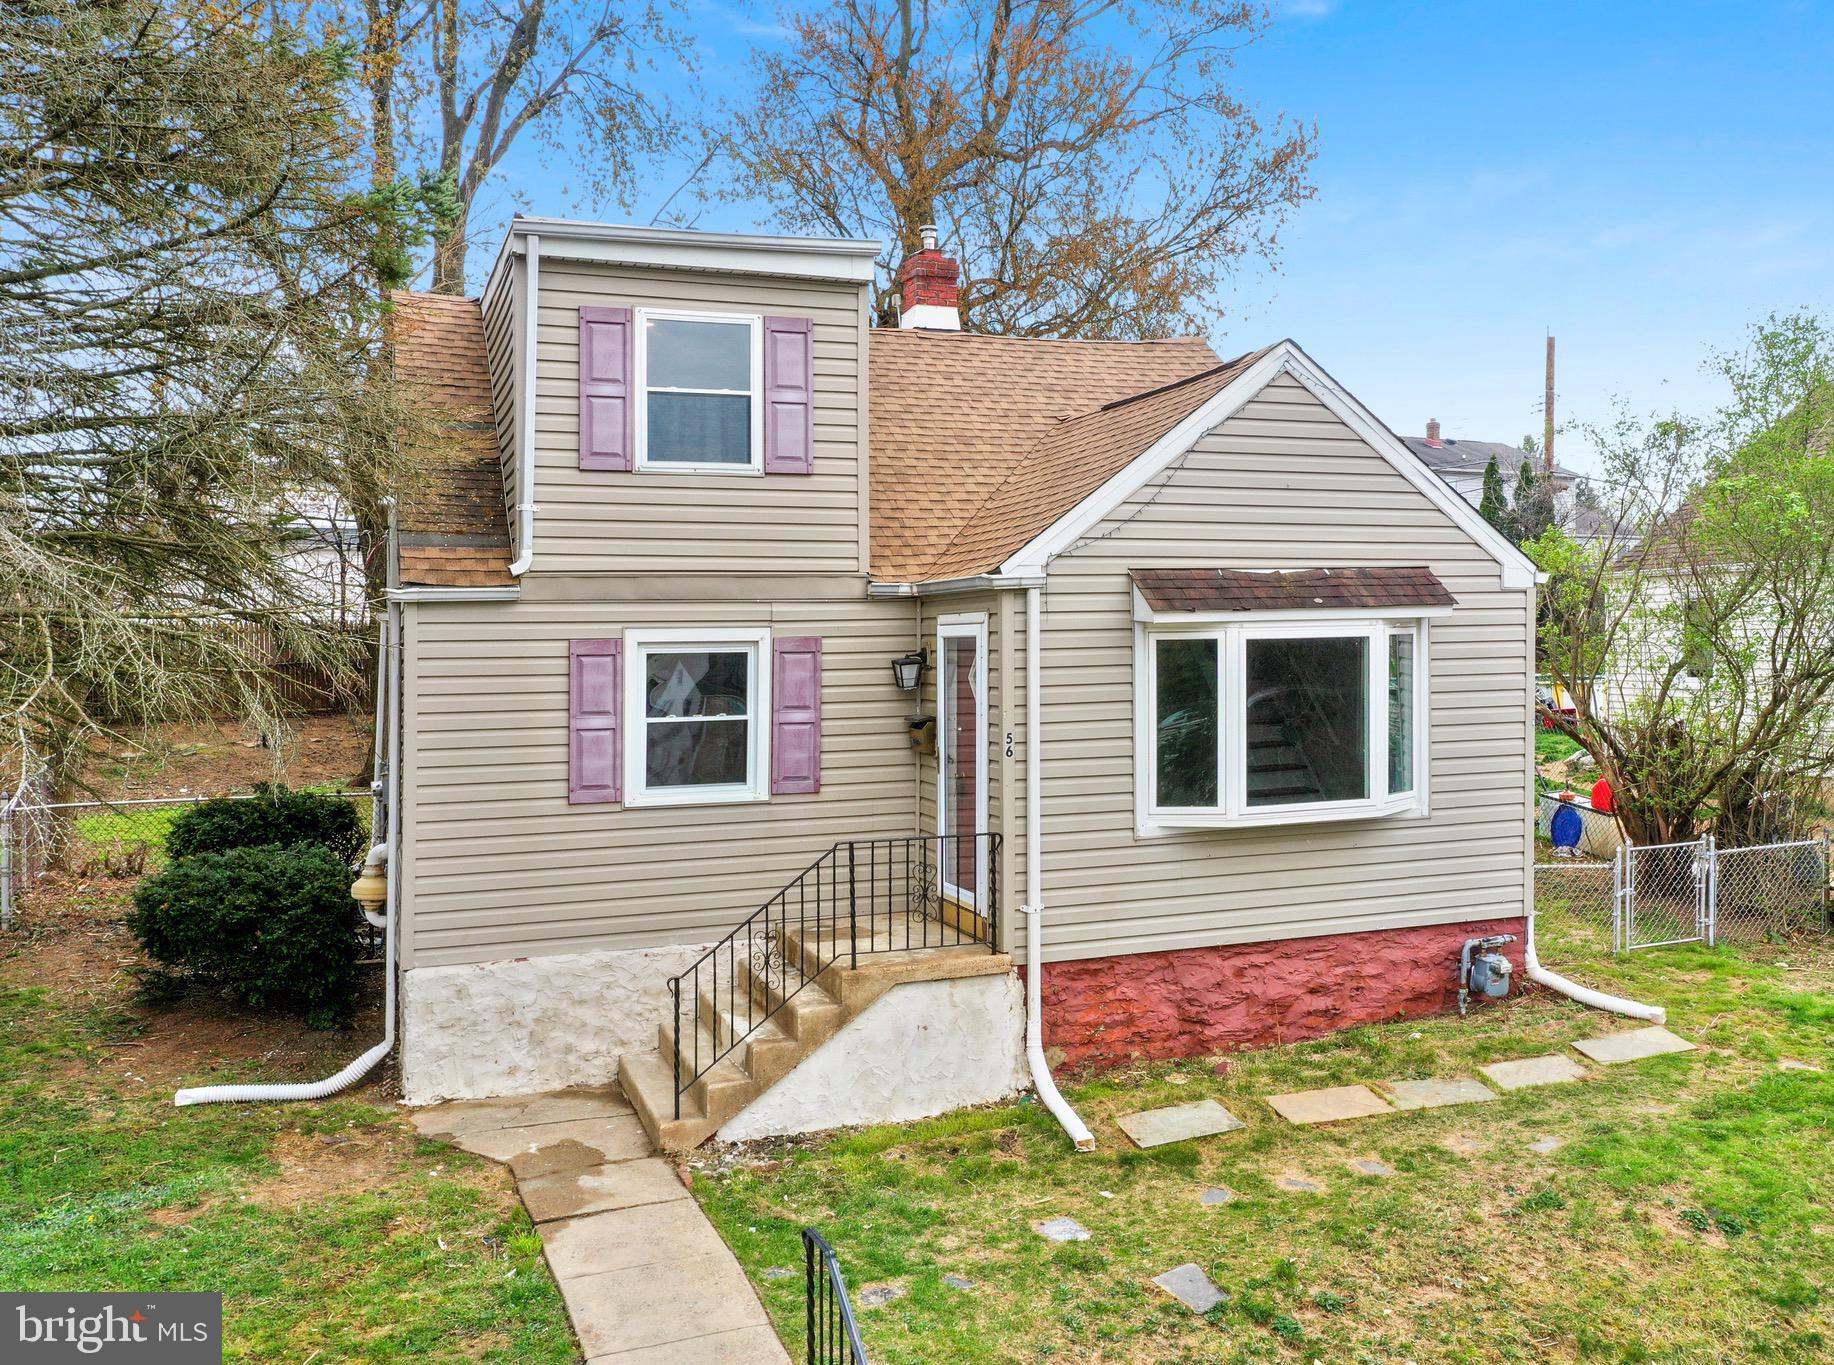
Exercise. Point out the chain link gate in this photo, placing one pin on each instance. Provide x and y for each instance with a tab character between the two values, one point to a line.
1654	895
1664	894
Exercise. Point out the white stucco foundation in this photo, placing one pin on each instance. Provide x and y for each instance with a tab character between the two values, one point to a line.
922	1048
531	1023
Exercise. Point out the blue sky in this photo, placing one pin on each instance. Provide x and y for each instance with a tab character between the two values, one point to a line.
1644	180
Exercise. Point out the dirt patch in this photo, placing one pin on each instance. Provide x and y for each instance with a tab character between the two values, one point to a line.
226	756
72	938
315	1166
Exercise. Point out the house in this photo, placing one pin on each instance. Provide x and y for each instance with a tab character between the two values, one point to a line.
1212	682
1462	464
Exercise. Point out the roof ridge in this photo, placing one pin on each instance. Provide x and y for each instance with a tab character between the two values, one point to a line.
1175	384
1056	341
1239	364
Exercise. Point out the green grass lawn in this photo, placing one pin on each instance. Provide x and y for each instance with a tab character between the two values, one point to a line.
333	1232
1684	1217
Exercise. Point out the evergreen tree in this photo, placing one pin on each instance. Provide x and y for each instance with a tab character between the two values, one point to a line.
1494	506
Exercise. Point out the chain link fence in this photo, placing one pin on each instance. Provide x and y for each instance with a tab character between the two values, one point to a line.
90	841
1772	891
1646	896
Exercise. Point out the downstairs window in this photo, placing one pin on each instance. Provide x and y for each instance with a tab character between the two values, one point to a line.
698	717
1275	722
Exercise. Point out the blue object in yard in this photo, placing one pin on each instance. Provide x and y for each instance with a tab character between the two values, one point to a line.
1565	827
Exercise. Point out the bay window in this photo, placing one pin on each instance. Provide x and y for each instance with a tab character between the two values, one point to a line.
1272	719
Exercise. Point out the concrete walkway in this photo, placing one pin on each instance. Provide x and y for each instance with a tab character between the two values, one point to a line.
646	1278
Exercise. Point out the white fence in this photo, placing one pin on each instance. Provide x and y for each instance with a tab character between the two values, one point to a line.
1650	895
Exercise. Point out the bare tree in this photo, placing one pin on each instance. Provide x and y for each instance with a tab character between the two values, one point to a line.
187	331
1085	159
576	77
1696	636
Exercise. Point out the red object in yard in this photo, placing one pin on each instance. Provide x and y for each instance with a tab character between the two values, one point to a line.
1601	796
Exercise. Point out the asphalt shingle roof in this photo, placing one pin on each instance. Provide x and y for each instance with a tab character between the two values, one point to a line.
1314	589
452	529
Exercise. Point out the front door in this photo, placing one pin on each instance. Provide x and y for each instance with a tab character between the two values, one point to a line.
961	725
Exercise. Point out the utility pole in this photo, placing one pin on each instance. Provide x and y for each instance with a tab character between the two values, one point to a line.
1547	419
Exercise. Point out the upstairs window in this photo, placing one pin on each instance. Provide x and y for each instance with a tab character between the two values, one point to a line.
697	380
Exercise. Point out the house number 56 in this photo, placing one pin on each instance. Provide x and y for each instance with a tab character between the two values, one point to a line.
1009	743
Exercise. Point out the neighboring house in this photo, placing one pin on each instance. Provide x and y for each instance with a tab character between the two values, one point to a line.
691	518
1462	464
325	561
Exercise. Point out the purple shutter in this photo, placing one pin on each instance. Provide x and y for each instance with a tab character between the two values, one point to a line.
606	343
789	396
796	715
595	688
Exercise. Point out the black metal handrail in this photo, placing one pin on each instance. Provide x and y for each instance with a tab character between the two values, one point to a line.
833	1336
860	896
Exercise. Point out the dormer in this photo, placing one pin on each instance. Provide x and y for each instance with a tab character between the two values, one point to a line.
681	402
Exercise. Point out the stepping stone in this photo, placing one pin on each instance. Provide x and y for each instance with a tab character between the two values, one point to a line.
1190	1286
1370	1166
780	1272
1530	1071
1791	1064
958	1281
878	1295
1218	1194
1298	1184
1330	1106
1543	1146
1437	1094
1061	1230
1178	1123
1461	1144
1633	1046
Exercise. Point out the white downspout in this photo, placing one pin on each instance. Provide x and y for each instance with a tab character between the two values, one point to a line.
525	420
389	664
1597	1000
1033	909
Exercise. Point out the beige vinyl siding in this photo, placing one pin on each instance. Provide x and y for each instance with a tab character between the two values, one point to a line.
595	521
1281	485
502	866
503	348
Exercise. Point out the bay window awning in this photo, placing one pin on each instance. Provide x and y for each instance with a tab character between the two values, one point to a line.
1414	591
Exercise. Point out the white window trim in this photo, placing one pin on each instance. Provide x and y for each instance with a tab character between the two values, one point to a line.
640	383
1232	631
637	644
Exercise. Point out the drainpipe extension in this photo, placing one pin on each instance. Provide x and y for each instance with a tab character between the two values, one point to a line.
525	422
387	668
1033	909
1597	1000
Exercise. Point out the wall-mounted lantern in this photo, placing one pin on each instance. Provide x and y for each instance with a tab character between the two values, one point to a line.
908	669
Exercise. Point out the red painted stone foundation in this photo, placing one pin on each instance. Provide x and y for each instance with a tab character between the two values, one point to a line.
1197	1001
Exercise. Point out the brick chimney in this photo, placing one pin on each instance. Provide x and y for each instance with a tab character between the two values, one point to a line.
929	288
1432	432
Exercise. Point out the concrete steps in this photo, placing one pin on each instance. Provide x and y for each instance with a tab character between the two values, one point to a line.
780	1022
